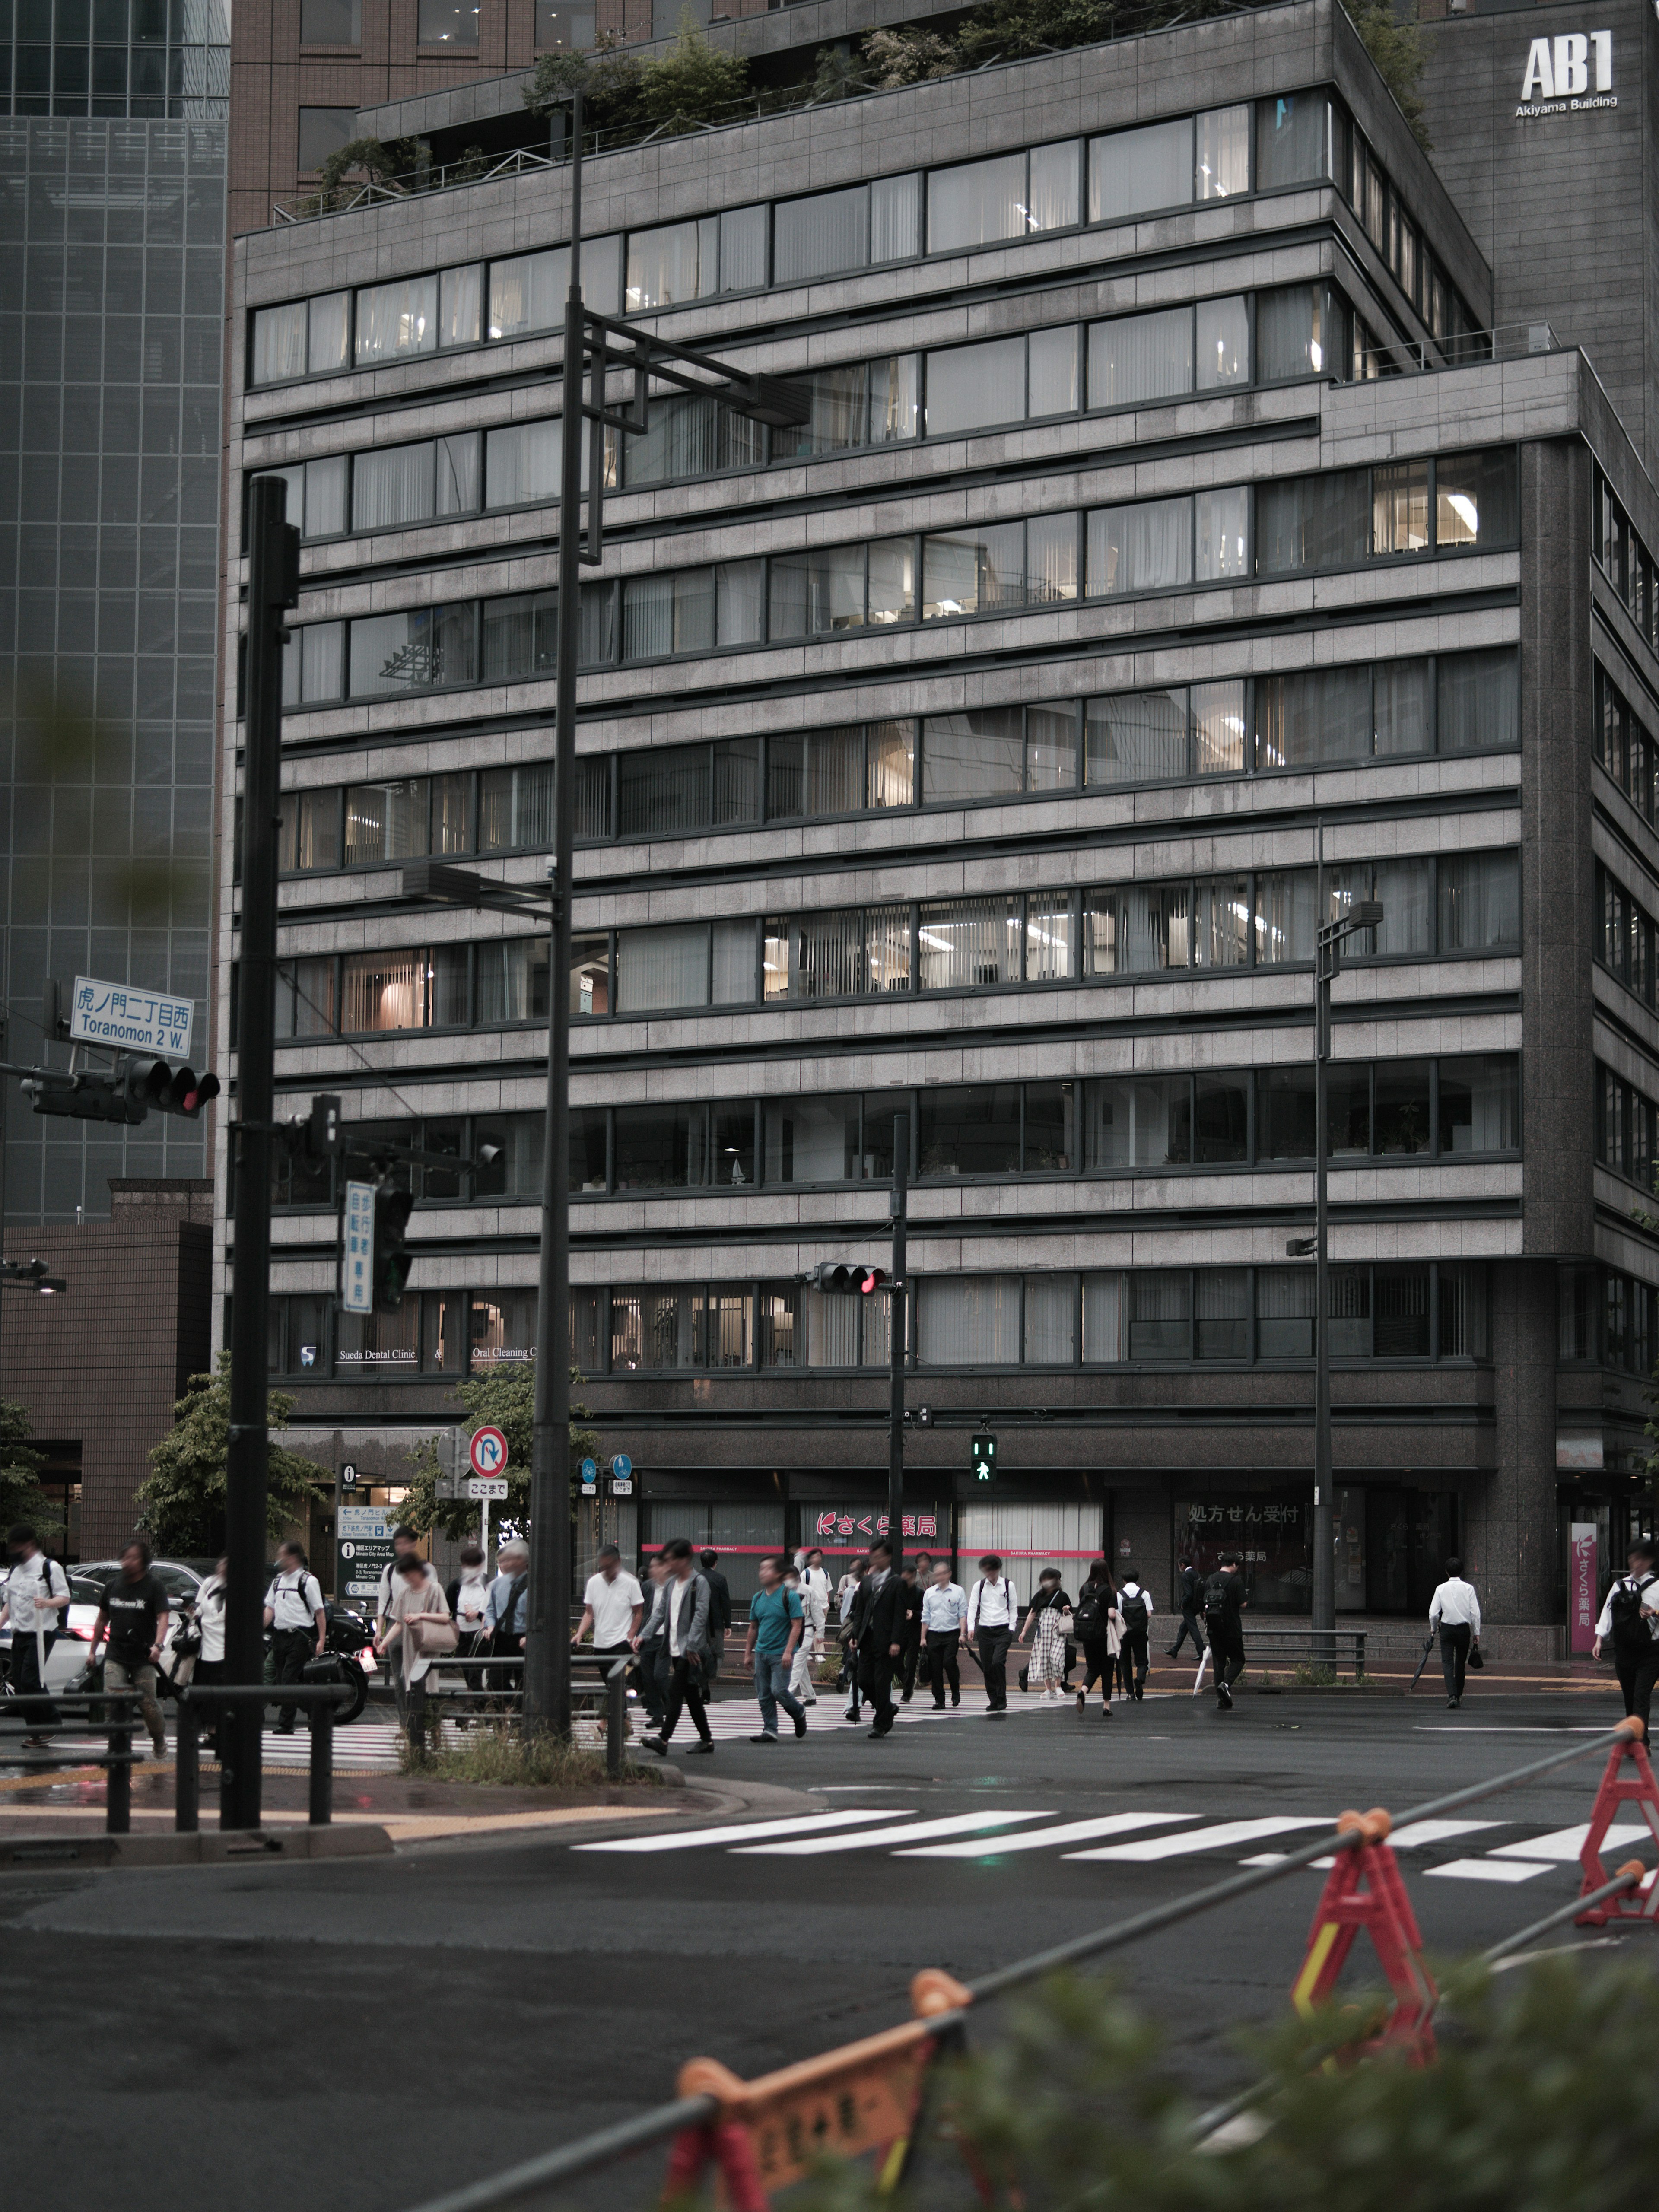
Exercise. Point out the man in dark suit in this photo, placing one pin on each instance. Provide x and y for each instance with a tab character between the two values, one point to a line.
879	1612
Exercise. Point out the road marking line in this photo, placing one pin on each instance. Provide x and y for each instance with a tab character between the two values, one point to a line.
1034	1839
1411	1837
692	1838
1220	1837
1488	1870
1565	1843
813	1846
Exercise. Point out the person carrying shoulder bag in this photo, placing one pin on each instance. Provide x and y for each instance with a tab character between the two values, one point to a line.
419	1630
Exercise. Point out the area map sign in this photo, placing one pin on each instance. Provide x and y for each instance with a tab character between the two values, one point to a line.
362	1551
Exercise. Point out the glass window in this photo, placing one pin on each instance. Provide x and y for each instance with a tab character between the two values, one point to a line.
1223	350
1476	499
742	248
818	236
1286	1114
1462	1312
1221	521
326	343
835	774
310	835
1133	172
397	319
895	399
520	636
1050	1128
383	991
1051	748
503	1328
974	1130
1219	728
1293	137
891	588
1139	930
526	292
1479	901
391	486
734	964
279	343
1052	371
968	1321
1481	1103
1400	1117
1105	1319
1399	508
420	650
515	808
662	1147
1137	1121
513	981
460	305
1402	706
1291	337
386	821
1141	548
1051	201
1221	1313
1478	701
811	1139
663	267
890	764
967	942
522	463
1050	1321
1221	921
1223	153
978	755
969	387
590	973
1160	1314
1316	716
1399	1328
1313	522
896	217
1139	358
829	955
815	592
448	23
331	23
1348	1095
971	572
323	131
1286	903
1137	737
976	204
1285	1303
658	968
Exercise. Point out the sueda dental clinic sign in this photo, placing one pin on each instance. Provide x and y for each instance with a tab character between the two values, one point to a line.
1568	75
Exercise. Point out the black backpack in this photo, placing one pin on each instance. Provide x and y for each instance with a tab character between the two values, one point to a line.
1215	1597
1089	1615
1630	1632
1135	1612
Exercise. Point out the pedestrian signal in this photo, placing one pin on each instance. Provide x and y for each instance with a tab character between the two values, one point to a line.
982	1460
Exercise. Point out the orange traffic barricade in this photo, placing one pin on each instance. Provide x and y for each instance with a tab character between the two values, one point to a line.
1626	1780
1363	1889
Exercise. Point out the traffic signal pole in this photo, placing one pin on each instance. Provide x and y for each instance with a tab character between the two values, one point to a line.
273	586
898	1311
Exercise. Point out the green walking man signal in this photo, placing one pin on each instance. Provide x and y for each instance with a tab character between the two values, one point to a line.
983	1459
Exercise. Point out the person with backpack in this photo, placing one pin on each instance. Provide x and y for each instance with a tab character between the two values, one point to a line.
1455	1610
1099	1628
1134	1604
1191	1602
35	1597
298	1624
1627	1619
993	1617
1223	1624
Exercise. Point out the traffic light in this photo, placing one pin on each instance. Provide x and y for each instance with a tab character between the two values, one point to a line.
983	1459
392	1259
116	1094
847	1279
323	1136
178	1089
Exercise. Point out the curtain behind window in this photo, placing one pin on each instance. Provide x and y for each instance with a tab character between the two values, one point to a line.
969	1321
1140	358
1137	737
279	343
523	463
1141	548
397	319
660	969
969	387
1050	1321
1478	700
817	237
966	943
976	204
391	485
1133	172
977	755
1479	901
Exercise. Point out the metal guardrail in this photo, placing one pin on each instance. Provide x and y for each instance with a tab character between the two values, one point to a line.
536	2176
1322	1645
187	1769
28	1714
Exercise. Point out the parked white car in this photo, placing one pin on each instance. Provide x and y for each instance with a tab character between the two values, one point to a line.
69	1654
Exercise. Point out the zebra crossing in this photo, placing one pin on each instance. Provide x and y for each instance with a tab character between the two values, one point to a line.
1138	1838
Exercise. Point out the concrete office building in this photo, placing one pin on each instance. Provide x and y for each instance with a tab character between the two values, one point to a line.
1167	511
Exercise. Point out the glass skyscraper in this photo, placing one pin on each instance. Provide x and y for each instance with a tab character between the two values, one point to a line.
113	174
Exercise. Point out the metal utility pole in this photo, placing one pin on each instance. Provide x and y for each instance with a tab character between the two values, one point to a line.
898	1327
1365	913
547	1640
273	586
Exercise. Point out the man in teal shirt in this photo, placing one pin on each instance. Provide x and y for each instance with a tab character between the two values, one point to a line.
775	1629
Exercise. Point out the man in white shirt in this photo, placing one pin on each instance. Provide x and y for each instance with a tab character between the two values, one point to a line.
1628	1620
34	1598
612	1605
993	1617
297	1622
814	1587
1134	1603
944	1609
1455	1610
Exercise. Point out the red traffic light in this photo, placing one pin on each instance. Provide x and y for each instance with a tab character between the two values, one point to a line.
872	1278
179	1090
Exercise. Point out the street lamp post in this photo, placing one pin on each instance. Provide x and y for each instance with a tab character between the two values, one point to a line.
1363	913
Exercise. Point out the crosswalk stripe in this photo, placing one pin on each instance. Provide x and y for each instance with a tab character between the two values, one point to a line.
813	1846
1220	1837
1034	1839
1565	1843
1489	1869
689	1839
1412	1837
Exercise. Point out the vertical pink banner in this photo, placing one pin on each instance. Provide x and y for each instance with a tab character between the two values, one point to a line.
1582	1577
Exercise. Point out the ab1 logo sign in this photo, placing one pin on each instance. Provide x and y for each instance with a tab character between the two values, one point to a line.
1559	71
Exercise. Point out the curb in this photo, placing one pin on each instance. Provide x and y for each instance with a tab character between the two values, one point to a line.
206	1847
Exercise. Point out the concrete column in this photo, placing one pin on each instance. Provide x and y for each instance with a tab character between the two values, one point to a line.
1510	1516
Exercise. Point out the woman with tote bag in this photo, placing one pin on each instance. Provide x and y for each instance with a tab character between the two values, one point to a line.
421	1630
